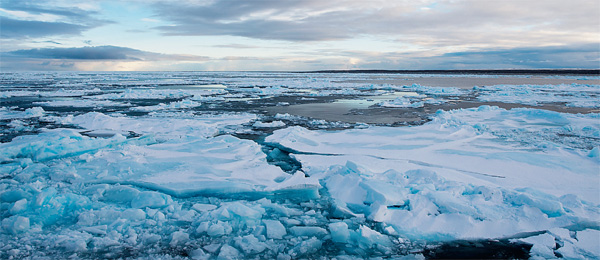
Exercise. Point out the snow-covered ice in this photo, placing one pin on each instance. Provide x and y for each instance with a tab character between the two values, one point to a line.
177	165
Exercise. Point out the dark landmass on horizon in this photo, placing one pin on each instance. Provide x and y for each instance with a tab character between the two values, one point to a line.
589	72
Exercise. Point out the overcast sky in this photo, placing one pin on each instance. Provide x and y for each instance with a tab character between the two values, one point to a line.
298	35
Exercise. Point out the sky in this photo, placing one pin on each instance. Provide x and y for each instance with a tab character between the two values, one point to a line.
297	35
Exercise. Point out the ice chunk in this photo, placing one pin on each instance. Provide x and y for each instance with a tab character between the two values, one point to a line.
371	237
279	209
164	127
178	238
14	195
34	112
308	231
223	165
339	232
275	229
228	252
543	245
170	106
267	125
54	144
546	240
589	240
249	244
219	229
402	102
151	199
18	206
199	254
121	193
309	246
133	214
15	224
203	207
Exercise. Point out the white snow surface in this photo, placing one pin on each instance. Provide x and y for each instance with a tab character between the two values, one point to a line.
473	173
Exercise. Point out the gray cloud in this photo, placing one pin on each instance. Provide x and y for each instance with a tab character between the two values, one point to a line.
566	56
73	21
97	53
572	56
71	58
37	7
11	28
455	22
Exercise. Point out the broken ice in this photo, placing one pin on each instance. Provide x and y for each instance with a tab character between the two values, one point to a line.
156	168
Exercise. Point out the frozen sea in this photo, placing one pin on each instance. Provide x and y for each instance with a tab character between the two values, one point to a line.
265	165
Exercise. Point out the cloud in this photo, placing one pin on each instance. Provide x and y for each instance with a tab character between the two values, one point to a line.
97	53
551	57
12	28
453	22
84	53
31	19
569	56
96	57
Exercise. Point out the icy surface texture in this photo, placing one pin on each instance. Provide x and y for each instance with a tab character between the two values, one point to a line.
475	173
155	166
574	95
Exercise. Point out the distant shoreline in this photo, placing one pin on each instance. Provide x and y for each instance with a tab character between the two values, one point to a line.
588	72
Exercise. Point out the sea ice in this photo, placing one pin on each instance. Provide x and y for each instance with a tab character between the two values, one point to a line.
467	174
574	95
165	178
275	229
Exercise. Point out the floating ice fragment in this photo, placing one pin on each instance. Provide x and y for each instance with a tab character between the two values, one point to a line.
275	229
34	112
121	193
203	207
309	246
199	254
219	229
228	252
339	232
151	199
178	238
249	244
15	224
268	125
18	207
14	195
307	231
402	102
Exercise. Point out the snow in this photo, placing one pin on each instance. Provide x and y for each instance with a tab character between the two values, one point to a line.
467	174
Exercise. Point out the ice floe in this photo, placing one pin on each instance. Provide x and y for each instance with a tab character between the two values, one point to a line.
154	165
457	176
